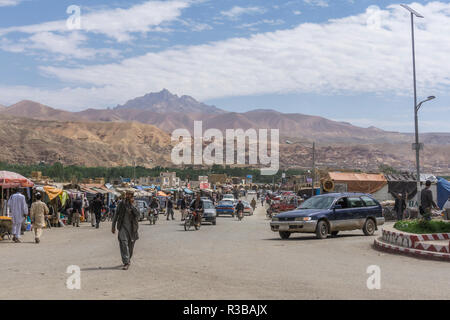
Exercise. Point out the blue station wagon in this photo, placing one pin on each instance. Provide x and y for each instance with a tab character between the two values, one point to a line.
330	213
225	207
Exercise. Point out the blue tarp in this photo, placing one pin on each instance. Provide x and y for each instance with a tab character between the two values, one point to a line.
443	191
188	191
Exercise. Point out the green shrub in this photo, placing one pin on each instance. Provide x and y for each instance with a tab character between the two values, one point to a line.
421	226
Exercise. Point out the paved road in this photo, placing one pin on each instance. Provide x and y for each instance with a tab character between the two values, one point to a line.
232	260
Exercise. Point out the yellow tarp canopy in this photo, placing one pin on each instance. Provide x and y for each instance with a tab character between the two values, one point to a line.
52	192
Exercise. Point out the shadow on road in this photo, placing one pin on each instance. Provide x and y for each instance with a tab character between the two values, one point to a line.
119	267
313	238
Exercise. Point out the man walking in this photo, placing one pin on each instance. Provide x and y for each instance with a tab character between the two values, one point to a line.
19	210
97	206
37	214
127	221
170	208
400	206
183	207
426	199
77	204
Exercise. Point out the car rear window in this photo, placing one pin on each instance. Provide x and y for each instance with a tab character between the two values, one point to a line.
369	201
355	202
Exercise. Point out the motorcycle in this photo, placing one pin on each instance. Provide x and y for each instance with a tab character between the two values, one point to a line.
240	215
269	213
153	216
190	220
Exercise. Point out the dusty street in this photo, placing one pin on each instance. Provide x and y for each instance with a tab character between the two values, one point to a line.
232	260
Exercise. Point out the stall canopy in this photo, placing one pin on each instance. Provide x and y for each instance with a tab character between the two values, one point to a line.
52	192
402	183
161	194
443	191
188	191
10	179
359	182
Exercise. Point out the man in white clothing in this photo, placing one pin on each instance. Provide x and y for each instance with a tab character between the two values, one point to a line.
19	210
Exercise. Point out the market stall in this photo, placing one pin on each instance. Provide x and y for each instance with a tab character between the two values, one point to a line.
10	180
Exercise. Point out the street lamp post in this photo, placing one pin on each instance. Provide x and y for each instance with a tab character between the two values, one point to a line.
416	106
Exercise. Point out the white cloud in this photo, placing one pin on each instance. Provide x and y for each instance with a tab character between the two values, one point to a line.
237	11
264	21
64	46
7	3
118	23
318	3
343	55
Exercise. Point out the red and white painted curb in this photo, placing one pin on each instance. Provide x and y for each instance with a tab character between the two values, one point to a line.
387	247
415	241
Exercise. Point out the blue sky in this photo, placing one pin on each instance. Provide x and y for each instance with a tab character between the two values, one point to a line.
346	60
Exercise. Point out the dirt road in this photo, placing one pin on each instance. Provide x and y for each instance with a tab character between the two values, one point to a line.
232	260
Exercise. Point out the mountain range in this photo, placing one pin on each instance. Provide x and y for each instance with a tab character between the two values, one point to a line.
119	131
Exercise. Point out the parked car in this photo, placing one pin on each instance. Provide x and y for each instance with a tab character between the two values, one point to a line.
143	209
209	214
225	207
228	197
329	214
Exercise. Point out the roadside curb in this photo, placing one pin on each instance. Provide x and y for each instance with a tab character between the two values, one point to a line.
415	241
391	248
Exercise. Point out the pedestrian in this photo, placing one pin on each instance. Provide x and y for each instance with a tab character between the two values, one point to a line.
97	207
38	212
183	207
19	210
77	205
170	208
253	204
262	201
112	209
127	221
427	202
399	206
446	209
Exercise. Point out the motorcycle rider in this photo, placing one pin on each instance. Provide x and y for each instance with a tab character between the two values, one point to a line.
197	206
154	204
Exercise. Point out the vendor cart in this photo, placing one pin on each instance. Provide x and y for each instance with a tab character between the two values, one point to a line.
5	227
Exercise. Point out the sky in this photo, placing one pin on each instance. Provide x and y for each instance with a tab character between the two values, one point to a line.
346	60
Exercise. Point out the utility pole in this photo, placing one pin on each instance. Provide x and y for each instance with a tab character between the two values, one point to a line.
313	168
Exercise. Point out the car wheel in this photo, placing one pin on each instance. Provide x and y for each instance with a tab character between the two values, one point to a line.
369	227
322	230
214	222
285	235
